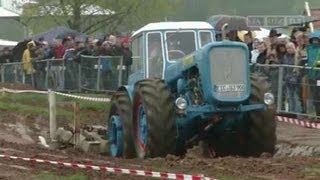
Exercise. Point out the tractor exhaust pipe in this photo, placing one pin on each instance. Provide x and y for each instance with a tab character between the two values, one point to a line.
224	31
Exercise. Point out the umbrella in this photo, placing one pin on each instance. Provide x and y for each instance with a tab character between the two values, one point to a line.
238	23
59	32
70	33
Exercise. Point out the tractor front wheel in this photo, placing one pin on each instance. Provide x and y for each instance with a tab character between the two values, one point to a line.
154	122
262	125
120	126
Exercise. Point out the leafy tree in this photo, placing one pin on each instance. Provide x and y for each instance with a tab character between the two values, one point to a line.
89	16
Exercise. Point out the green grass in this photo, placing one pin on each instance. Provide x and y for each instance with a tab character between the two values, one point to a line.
49	176
312	171
37	104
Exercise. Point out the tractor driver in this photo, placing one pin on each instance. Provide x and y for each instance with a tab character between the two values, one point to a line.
155	59
175	49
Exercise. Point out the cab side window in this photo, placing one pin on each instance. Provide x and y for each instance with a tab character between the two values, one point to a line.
155	55
205	38
137	52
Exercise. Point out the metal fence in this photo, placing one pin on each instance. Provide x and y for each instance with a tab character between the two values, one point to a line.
296	88
92	73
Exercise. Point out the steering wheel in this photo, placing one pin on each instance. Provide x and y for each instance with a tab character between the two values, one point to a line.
176	54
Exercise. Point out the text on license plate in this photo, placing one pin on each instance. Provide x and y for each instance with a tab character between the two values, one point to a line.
230	88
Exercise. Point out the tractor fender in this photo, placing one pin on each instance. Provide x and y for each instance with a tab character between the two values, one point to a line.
129	89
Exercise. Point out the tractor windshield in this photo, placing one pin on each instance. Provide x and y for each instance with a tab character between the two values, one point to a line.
180	44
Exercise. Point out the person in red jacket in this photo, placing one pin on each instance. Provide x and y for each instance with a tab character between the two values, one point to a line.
58	49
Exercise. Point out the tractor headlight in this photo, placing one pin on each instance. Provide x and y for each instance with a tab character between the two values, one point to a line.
268	98
181	103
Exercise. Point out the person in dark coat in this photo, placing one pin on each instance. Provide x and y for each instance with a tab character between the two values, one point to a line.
127	58
262	57
6	57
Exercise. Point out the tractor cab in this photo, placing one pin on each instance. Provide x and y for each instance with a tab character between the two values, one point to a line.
157	45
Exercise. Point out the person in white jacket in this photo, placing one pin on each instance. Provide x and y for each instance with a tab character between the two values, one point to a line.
255	52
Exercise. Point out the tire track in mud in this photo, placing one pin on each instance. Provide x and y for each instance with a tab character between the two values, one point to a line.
295	140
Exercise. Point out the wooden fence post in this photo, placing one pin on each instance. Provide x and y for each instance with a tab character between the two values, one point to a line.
52	115
76	123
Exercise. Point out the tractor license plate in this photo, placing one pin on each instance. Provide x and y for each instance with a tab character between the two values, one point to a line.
230	88
318	82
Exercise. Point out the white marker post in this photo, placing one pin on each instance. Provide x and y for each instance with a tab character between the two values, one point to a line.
307	8
52	115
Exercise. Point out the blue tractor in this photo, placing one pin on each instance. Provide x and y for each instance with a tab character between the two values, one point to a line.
186	89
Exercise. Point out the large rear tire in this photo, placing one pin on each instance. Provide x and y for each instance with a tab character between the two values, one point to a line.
121	116
262	125
154	121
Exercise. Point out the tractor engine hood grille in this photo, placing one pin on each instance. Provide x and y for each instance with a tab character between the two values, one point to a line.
229	73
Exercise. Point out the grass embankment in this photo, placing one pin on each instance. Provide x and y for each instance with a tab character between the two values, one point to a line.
37	105
49	176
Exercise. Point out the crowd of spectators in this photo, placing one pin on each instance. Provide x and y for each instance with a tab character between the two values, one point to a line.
69	49
6	55
290	50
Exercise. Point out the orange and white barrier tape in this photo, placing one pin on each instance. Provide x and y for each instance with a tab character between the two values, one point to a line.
95	99
163	175
298	122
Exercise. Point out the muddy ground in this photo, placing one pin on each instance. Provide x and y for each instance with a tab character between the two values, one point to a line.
297	157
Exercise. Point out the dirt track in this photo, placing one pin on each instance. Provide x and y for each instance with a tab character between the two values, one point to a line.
297	157
19	137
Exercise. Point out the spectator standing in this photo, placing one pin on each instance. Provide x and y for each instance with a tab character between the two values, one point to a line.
255	52
71	66
6	56
301	44
114	46
27	64
58	49
127	59
291	79
248	39
274	37
262	57
281	50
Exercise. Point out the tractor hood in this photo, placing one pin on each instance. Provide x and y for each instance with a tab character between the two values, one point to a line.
223	69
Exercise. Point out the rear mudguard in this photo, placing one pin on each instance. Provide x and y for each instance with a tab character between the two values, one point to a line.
129	89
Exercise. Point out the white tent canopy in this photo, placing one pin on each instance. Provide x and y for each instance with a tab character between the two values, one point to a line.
263	33
7	43
6	13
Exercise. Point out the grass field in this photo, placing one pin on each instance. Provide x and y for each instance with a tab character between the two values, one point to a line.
38	105
49	176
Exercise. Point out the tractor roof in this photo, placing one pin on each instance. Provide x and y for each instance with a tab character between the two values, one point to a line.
174	26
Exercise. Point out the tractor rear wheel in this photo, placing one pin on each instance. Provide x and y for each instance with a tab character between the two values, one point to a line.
120	126
154	121
262	125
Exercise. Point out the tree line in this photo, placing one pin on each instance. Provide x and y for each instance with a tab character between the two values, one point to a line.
90	16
